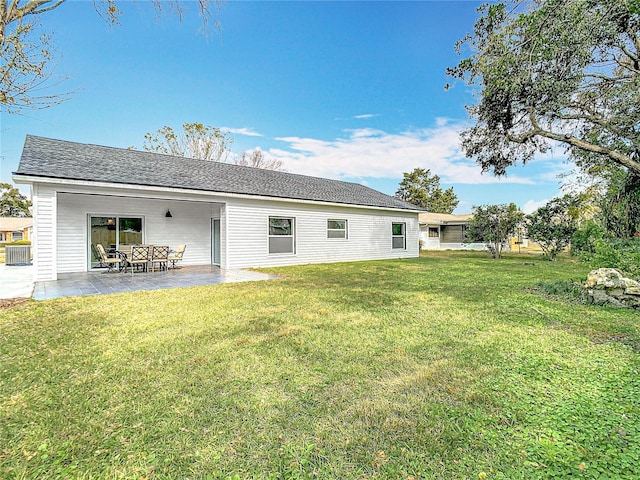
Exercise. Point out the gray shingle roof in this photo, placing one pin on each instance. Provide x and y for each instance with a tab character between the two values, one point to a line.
45	157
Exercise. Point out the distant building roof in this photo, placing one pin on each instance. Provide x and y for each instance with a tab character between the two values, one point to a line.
444	218
45	157
13	224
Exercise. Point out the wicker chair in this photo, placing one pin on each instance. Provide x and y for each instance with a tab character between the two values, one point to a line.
139	257
112	264
176	255
160	256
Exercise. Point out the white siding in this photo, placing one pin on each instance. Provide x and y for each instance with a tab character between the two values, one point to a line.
190	224
44	233
429	243
369	233
62	227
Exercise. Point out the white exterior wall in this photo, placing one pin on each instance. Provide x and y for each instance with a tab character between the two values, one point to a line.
369	233
429	243
44	233
189	225
62	212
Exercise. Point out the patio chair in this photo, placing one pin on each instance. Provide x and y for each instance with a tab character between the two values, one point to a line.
125	250
176	255
112	263
160	256
139	257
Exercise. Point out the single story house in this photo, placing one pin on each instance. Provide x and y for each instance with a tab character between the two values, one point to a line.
442	231
227	215
13	229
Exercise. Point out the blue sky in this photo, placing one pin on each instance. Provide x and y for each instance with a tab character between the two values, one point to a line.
345	90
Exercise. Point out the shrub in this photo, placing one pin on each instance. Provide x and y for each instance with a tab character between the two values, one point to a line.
623	254
492	224
584	239
20	242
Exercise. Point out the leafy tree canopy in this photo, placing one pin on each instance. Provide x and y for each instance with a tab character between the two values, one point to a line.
12	202
493	224
610	197
204	142
195	141
422	189
27	54
553	225
551	71
257	159
620	203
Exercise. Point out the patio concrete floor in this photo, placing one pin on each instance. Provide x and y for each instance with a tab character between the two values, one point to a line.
97	283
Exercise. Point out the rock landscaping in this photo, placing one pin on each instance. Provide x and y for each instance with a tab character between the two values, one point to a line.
607	286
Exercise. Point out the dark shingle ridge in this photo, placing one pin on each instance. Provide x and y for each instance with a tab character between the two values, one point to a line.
61	159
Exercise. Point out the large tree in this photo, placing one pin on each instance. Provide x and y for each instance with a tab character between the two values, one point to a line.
27	54
195	141
12	202
550	71
620	203
422	189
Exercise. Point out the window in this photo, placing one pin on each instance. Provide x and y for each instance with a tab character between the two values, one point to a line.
3	237
398	235
453	233
281	235
112	232
129	231
434	232
15	236
337	229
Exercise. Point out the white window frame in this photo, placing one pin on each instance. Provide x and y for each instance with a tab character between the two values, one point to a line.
336	231
292	235
395	237
117	217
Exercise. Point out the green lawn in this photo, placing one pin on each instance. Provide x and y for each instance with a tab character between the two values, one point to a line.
450	366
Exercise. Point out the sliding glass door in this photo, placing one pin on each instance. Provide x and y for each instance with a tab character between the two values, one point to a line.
215	241
112	232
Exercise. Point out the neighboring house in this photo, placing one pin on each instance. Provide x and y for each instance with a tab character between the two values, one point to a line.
227	215
13	229
442	231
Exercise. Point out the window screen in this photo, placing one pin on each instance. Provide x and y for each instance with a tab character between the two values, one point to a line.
281	238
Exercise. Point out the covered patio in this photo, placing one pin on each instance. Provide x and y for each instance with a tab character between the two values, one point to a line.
98	283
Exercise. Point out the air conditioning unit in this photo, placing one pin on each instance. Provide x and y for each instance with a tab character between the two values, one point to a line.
17	255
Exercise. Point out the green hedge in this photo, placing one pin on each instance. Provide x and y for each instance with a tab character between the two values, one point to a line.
18	242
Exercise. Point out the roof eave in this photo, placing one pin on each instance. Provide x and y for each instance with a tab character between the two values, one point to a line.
30	179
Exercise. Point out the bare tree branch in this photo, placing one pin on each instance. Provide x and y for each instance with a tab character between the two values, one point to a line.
27	56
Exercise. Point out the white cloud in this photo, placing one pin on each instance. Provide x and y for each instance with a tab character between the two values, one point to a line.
249	132
366	152
366	116
532	205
